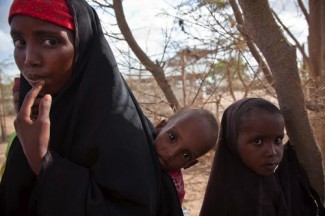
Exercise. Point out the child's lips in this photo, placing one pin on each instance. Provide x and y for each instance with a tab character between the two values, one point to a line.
271	165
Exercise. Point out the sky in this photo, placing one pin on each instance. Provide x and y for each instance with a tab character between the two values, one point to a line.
146	25
6	46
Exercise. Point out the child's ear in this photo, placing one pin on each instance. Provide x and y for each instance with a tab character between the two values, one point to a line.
192	163
160	125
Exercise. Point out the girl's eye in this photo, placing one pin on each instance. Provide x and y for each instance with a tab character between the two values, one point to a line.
187	155
257	142
50	42
18	43
172	136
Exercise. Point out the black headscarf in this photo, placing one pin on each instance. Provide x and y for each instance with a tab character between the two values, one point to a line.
101	159
235	190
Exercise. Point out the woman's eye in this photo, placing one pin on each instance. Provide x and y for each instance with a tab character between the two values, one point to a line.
18	43
172	136
257	142
187	155
50	42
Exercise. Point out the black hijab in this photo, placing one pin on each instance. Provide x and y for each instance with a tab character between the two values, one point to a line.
235	190
101	159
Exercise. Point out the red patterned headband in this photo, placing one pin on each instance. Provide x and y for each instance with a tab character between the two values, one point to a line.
54	11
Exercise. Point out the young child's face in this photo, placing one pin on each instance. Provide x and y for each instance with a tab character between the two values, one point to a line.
43	51
260	142
180	143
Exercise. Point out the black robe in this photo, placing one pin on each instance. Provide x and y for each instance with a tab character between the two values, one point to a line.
101	159
235	190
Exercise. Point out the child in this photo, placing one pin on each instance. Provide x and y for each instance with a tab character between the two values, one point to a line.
180	141
244	179
82	146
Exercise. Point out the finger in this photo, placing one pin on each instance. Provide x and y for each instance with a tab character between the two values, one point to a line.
25	109
35	108
44	108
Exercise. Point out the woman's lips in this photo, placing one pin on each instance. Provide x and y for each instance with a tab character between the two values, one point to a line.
33	79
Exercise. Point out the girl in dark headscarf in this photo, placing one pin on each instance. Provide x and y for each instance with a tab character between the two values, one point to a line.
242	180
83	146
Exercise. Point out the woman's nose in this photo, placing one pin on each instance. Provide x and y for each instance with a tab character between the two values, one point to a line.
31	57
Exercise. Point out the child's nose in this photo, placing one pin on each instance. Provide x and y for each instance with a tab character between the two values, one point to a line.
173	153
271	150
170	156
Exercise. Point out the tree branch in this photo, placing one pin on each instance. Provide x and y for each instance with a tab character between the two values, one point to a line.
156	70
303	9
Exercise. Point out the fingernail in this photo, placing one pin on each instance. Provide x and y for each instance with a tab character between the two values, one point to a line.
47	98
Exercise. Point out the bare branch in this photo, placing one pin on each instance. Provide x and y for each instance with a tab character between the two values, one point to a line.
156	70
303	9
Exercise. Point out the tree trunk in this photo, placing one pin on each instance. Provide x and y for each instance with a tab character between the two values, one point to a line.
316	45
316	39
260	25
251	46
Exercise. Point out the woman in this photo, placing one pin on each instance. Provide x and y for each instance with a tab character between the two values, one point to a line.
83	146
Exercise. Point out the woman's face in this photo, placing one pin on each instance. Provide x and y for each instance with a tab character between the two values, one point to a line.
43	51
260	142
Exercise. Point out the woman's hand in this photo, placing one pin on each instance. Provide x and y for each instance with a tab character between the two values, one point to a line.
33	127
